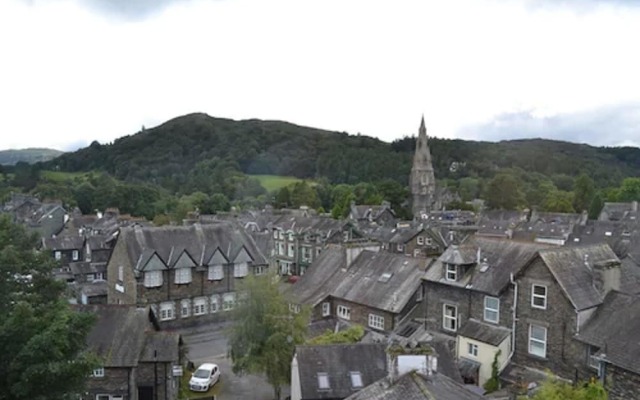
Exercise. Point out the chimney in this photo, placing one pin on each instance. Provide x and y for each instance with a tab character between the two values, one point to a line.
634	206
478	255
606	276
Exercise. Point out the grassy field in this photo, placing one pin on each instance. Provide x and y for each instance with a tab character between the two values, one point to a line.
275	182
58	176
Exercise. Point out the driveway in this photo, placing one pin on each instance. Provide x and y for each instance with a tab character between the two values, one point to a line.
209	344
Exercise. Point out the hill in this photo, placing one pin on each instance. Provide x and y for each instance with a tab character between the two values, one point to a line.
178	151
31	156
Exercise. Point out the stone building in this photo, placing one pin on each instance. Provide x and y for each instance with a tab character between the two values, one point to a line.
422	181
187	274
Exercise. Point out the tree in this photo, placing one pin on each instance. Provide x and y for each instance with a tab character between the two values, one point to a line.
264	332
351	335
596	206
504	192
43	340
553	389
583	191
629	190
559	201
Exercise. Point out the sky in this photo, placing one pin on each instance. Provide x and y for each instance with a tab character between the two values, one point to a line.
75	71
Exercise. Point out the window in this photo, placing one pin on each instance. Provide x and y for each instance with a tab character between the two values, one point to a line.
183	275
121	274
356	379
539	296
538	340
420	240
258	270
376	321
167	311
318	250
491	309
103	397
450	317
472	349
428	241
592	359
200	306
74	255
291	252
240	270
306	254
98	276
323	381
57	255
281	235
294	308
281	249
215	303
451	272
153	279
228	301
275	234
215	273
185	308
98	373
343	312
326	309
400	247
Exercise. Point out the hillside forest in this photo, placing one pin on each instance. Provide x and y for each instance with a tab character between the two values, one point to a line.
197	162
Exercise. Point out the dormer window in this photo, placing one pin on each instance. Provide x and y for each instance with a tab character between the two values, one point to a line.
153	279
182	276
323	381
451	272
75	255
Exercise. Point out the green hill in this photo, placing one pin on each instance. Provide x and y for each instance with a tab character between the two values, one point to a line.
178	152
31	156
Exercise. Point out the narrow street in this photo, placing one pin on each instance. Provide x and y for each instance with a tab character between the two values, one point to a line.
209	344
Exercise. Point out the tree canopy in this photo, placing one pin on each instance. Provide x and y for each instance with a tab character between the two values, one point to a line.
42	339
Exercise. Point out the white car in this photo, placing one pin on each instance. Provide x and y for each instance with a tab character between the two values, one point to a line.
204	377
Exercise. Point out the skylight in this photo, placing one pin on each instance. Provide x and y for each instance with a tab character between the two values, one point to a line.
323	381
385	277
356	379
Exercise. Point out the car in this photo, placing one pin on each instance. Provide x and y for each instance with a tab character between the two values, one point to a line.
204	377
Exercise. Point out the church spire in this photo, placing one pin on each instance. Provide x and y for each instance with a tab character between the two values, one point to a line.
423	128
422	181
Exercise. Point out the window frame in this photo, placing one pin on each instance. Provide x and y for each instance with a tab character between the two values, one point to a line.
538	341
376	321
197	305
215	272
97	372
323	378
535	296
57	255
472	349
420	240
326	309
185	304
228	301
343	312
182	276
167	310
240	270
447	271
446	317
492	310
75	255
153	279
356	383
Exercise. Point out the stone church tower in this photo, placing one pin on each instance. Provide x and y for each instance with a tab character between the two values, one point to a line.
422	180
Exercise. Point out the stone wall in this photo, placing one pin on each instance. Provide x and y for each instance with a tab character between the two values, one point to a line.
622	384
114	382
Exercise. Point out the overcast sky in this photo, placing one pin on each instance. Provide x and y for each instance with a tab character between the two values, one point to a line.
74	71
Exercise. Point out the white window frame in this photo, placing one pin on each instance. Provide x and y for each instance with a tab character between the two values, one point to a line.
326	309
215	272
228	301
472	349
75	255
420	240
98	372
240	270
428	241
323	381
538	341
592	360
98	276
376	321
152	279
215	303
182	276
199	306
167	311
400	247
291	250
489	311
452	320
343	312
449	273
356	379
185	308
58	255
275	234
535	296
294	308
259	270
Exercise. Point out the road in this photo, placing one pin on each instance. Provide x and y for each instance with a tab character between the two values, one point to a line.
209	344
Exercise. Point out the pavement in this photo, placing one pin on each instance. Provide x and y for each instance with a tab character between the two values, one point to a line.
208	343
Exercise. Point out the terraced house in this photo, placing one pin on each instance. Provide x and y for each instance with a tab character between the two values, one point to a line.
186	274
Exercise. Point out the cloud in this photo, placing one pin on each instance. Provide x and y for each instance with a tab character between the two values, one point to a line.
617	125
128	10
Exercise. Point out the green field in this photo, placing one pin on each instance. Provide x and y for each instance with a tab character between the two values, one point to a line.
275	182
57	176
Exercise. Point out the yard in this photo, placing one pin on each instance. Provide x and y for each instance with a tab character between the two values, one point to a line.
275	182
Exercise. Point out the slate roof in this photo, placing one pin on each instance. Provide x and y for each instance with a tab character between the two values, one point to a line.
318	281
618	211
483	332
315	225
614	329
161	346
415	386
199	241
630	275
544	230
556	218
95	288
503	258
337	361
366	211
63	243
118	336
86	267
567	264
460	255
